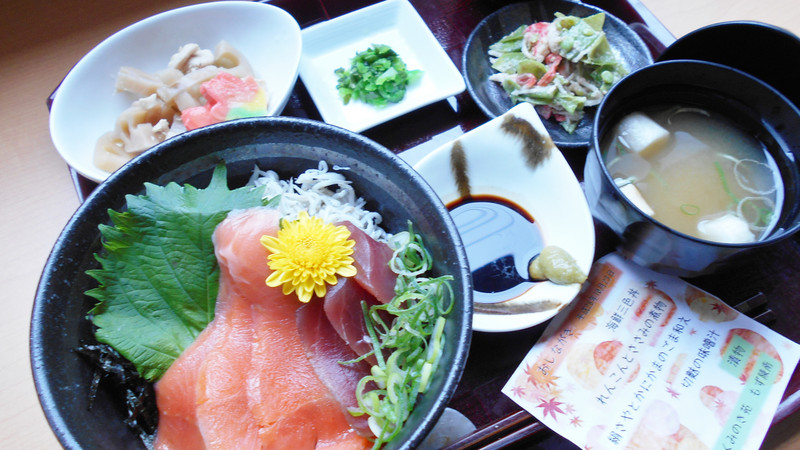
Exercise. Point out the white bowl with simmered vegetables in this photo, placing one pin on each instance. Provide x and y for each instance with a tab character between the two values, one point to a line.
197	64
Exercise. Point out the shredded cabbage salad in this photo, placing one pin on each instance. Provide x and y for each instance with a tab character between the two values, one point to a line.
562	66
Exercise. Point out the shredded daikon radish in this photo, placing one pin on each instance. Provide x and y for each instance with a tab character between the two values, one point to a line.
327	195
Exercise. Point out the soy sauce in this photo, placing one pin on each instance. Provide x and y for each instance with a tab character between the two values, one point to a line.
500	239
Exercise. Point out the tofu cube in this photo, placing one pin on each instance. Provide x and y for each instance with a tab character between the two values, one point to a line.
729	228
641	134
630	191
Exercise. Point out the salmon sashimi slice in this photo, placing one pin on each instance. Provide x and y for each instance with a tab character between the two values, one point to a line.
307	427
280	365
176	391
223	412
176	395
278	360
248	375
372	264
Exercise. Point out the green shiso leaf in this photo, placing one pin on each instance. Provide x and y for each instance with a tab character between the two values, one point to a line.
159	277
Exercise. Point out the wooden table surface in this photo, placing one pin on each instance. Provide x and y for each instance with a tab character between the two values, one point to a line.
41	42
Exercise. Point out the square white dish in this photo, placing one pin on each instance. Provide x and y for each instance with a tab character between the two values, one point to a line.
332	44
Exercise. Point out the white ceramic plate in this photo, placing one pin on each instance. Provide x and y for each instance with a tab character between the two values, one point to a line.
496	166
86	105
332	44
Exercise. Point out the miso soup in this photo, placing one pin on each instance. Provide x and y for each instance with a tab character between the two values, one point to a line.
696	172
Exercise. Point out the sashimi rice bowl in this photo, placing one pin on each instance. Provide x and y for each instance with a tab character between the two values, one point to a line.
262	283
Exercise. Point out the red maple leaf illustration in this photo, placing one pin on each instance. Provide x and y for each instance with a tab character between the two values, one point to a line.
576	421
540	378
518	391
530	371
551	407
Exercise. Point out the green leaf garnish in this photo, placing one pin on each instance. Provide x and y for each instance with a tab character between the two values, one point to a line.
159	277
377	76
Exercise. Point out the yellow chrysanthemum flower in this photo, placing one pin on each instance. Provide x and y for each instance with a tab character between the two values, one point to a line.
307	255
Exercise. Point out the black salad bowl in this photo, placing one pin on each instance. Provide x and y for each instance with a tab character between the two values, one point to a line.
490	96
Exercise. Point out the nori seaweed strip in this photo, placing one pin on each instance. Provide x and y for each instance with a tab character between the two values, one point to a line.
123	378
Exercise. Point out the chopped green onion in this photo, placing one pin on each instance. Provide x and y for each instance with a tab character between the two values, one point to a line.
764	217
724	181
690	210
621	182
621	148
414	340
657	175
377	76
762	208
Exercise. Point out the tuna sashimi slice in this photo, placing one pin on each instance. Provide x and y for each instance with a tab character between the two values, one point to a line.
346	315
326	351
372	264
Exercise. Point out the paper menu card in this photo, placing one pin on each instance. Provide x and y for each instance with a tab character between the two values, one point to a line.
643	360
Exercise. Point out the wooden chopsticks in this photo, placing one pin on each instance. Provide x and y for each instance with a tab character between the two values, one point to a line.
502	432
756	307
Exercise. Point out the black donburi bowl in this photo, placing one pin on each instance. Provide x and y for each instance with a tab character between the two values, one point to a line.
286	145
755	108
